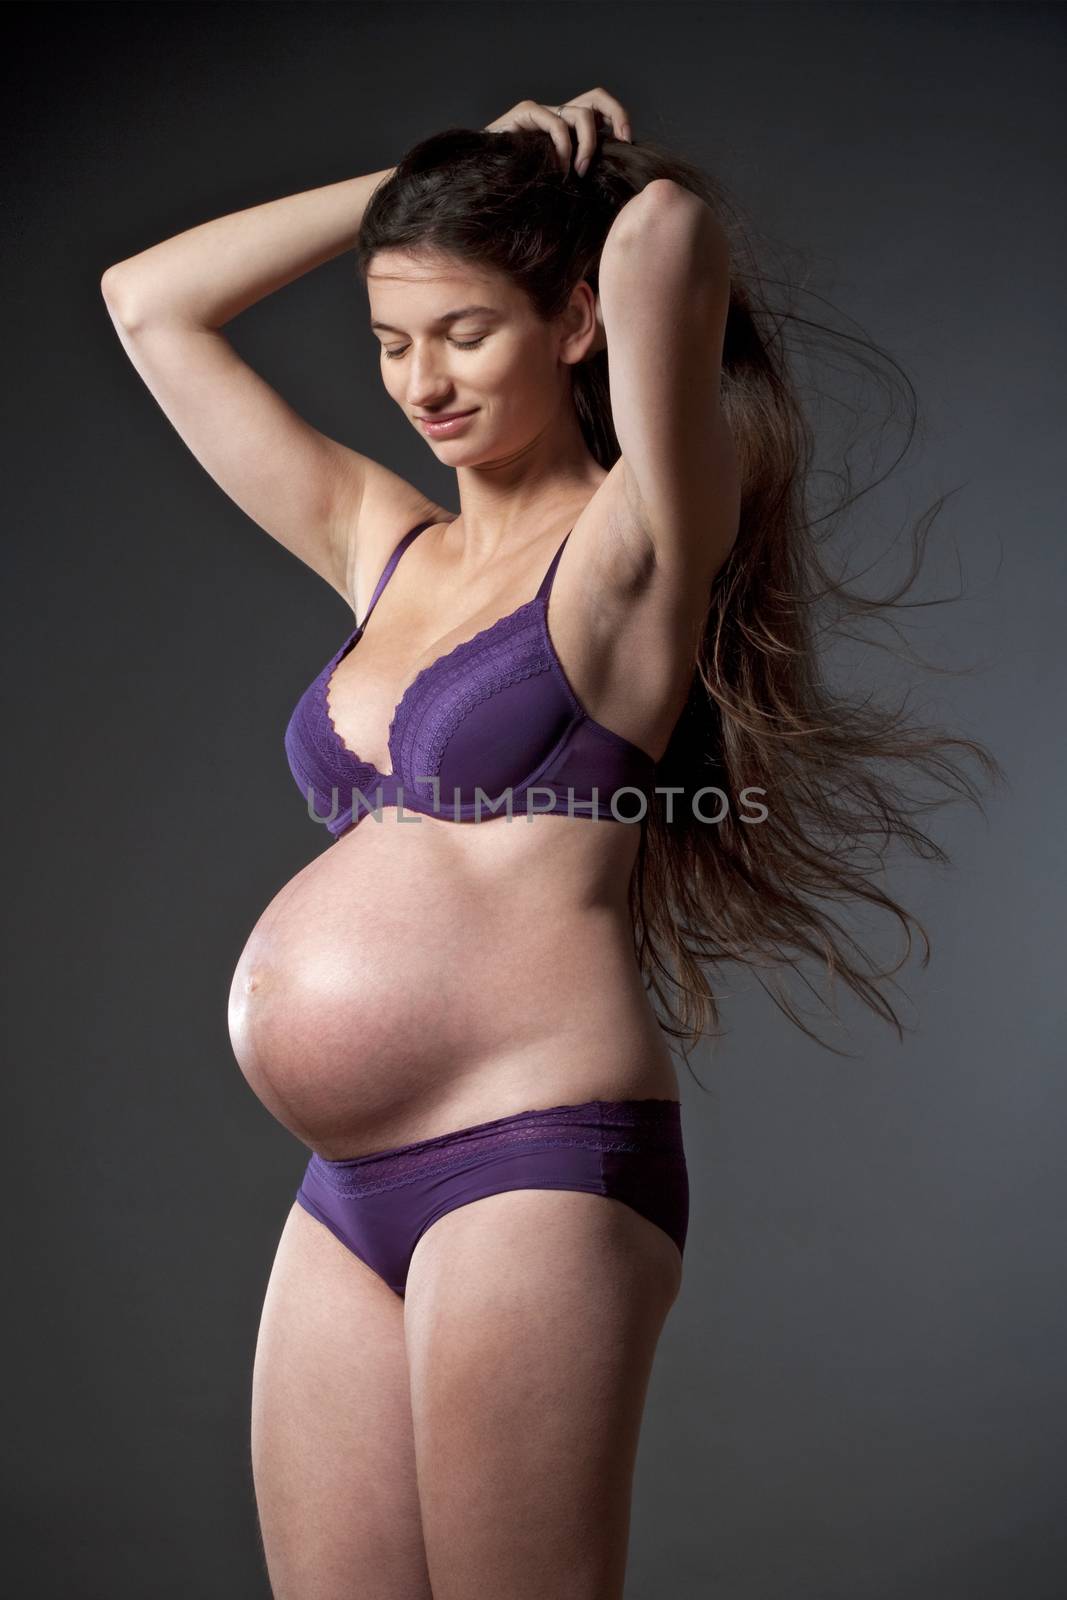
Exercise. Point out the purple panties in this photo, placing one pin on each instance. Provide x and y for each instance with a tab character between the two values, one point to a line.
379	1205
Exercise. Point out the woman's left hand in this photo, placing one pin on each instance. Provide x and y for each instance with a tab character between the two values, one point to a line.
581	114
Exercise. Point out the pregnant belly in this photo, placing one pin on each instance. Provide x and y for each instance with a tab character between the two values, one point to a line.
366	1011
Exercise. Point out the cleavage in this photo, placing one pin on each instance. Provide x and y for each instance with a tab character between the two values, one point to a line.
372	696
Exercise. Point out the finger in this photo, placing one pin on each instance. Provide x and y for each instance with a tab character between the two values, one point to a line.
583	120
529	114
611	107
538	116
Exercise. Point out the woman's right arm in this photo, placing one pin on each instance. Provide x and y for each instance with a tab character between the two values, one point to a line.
168	304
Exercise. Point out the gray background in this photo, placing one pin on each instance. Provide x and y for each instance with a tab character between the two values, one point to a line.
860	1393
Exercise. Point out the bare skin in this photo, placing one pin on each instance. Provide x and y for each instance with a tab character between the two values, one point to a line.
480	1434
532	1320
419	976
333	1455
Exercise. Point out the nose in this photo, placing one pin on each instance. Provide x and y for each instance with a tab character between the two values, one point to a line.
429	386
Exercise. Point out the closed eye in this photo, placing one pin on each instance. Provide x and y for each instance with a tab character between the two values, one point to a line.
469	344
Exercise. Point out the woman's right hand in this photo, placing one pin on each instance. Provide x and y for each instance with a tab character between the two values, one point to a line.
581	114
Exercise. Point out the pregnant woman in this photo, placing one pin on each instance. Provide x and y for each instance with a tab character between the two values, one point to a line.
449	1005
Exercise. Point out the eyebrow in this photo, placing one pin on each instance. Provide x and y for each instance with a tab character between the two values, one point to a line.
447	318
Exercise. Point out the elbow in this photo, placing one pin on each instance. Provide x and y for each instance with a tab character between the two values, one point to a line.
665	194
116	290
666	211
109	282
110	289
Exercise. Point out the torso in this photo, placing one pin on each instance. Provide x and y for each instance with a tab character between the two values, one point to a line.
421	975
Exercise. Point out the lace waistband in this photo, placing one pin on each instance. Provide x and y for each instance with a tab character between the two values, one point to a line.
641	1126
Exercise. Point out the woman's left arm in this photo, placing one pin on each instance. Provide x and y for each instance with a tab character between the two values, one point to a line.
664	289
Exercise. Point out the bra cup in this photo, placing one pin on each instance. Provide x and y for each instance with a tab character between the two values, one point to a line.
505	739
594	757
509	659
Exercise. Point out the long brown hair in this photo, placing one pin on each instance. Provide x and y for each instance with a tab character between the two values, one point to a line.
760	714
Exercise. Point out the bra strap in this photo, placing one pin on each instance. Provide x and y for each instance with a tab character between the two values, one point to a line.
390	566
546	581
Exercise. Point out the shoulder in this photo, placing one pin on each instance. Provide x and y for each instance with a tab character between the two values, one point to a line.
389	507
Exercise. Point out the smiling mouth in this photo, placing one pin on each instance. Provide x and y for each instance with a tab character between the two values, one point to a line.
448	416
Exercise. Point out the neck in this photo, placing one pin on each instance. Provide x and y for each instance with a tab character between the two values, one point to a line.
510	503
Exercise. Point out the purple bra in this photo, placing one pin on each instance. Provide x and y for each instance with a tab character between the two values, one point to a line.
493	718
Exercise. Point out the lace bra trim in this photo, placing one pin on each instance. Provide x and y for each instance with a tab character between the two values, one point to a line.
501	655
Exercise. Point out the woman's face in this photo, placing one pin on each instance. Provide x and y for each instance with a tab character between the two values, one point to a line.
497	360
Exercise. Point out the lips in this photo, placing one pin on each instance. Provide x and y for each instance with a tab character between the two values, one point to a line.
444	427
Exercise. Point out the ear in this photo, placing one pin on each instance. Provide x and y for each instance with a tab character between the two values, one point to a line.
583	326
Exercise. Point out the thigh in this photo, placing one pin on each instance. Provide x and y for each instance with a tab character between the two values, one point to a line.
332	1449
532	1320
